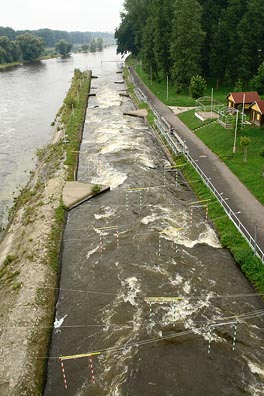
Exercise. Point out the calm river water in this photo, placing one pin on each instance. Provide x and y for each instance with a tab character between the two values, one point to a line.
130	246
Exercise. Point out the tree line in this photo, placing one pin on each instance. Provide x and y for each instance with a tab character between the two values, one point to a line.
29	45
221	39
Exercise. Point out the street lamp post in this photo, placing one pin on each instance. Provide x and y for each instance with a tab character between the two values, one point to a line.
234	147
167	87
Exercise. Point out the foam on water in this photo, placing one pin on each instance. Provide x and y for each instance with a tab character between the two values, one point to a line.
108	212
58	322
91	252
115	362
107	97
207	237
256	389
256	369
110	177
177	281
175	228
131	285
145	160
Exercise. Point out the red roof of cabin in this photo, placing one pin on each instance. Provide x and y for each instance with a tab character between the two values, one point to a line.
250	97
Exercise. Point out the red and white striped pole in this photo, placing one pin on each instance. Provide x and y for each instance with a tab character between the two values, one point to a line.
63	375
117	238
206	213
91	368
101	244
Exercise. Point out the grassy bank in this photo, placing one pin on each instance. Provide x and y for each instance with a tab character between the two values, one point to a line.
221	142
5	65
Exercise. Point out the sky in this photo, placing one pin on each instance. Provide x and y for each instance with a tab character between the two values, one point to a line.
69	15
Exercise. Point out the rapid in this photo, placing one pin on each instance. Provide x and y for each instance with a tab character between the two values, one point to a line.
147	294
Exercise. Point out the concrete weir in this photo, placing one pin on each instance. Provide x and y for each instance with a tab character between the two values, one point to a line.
75	193
141	113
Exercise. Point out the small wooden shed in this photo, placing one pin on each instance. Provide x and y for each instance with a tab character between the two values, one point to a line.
257	113
235	99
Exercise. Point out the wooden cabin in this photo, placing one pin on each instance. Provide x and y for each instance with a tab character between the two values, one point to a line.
257	113
235	99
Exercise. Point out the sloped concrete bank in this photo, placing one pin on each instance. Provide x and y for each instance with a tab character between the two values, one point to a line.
29	252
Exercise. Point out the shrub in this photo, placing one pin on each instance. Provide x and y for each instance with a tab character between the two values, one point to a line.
96	189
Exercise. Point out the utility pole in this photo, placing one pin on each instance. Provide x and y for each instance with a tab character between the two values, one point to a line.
167	87
255	241
234	148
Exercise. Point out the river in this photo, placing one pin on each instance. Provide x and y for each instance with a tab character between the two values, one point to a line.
31	96
147	294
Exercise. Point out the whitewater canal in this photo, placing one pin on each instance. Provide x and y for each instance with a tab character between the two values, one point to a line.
148	297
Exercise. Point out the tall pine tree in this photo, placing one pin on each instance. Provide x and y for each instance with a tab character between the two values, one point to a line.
187	39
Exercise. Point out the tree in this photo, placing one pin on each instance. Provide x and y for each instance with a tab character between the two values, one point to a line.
245	141
257	82
187	39
85	47
147	52
251	39
238	86
93	45
197	87
30	46
99	44
211	14
63	47
129	35
9	50
2	55
162	26
125	36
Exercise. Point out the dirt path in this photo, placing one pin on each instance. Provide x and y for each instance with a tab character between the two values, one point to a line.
239	198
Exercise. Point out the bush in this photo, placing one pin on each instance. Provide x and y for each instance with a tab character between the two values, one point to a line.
197	86
96	189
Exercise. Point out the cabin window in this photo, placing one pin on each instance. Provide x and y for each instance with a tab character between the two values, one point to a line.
258	117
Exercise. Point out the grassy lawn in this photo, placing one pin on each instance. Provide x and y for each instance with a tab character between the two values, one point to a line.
159	88
221	142
193	122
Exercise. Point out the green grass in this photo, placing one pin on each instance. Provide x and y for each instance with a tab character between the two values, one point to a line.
159	88
193	122
221	142
4	65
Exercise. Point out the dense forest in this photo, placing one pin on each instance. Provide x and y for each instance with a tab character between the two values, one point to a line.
221	39
29	44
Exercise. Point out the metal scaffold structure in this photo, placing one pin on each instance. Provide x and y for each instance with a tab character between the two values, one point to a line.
207	107
227	117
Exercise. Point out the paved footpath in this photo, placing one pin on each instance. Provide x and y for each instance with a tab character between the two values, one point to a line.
239	198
